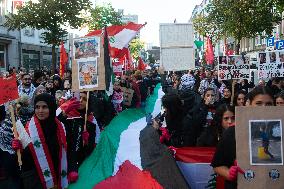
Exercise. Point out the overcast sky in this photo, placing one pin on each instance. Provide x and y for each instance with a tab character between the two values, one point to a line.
154	12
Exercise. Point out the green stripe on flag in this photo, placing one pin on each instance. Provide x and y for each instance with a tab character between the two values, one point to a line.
99	165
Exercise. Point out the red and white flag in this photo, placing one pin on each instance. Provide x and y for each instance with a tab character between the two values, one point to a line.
119	37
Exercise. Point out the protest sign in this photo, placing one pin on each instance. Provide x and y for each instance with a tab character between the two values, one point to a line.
117	68
271	64
127	96
259	146
8	89
233	67
88	71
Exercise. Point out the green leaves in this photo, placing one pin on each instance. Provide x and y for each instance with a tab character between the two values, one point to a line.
103	16
244	18
54	16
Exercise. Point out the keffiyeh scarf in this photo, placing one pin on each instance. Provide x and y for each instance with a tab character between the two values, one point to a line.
6	136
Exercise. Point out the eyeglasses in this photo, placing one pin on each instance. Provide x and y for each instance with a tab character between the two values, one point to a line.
26	79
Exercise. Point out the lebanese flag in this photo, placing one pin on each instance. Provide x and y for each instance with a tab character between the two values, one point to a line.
119	37
63	60
209	54
141	65
130	155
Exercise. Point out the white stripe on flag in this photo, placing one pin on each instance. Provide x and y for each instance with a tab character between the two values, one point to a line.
129	145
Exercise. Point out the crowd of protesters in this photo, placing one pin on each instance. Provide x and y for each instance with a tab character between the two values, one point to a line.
62	133
199	110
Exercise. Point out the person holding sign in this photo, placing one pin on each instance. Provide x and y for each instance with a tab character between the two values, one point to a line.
224	158
9	172
80	142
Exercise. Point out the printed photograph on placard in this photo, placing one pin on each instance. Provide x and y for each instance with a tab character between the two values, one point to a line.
223	60
281	56
265	140
86	47
262	58
272	57
88	74
231	60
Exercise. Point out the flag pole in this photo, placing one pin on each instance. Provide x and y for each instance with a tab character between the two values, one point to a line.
86	115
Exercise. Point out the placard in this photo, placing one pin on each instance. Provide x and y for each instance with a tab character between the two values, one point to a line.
271	64
127	96
8	89
88	70
117	68
259	146
233	67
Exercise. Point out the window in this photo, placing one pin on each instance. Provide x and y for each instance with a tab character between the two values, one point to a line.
2	57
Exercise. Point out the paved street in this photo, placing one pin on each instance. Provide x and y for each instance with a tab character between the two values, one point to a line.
274	149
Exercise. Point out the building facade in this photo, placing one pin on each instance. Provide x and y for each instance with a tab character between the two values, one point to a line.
24	48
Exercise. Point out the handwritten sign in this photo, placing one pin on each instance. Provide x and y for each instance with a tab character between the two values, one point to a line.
271	64
117	68
233	67
127	96
8	89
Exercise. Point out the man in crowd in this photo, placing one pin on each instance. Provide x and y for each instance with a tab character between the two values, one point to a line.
26	87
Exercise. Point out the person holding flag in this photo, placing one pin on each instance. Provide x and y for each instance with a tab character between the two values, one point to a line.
80	142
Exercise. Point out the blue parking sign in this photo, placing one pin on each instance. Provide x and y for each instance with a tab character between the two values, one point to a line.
280	45
270	42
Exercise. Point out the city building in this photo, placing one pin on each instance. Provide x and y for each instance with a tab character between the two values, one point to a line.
25	47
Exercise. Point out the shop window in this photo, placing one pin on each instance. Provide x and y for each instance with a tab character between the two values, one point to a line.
2	57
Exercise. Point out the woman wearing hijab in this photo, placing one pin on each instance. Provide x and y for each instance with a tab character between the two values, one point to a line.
45	159
9	173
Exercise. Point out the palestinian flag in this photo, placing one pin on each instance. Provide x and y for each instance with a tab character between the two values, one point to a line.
130	155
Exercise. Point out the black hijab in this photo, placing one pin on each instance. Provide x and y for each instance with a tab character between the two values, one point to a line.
49	126
51	103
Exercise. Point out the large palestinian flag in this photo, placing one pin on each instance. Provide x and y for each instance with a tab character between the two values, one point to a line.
130	155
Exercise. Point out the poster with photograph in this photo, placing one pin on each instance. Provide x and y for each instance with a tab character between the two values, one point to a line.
87	73
271	64
265	142
233	67
84	48
259	146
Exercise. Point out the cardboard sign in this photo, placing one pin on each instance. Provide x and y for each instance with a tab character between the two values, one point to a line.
88	70
8	89
233	67
127	96
271	64
259	146
117	68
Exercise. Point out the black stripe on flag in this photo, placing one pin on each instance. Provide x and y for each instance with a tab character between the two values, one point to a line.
156	158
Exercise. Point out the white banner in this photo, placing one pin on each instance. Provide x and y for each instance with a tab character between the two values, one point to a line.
271	64
233	67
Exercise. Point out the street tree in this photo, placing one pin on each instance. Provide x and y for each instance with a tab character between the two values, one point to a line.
135	47
244	18
52	16
103	15
206	28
